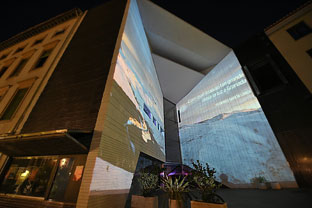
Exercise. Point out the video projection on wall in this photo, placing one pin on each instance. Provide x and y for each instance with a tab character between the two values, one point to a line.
223	121
134	120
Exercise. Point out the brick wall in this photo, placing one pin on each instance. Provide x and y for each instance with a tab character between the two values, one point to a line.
72	97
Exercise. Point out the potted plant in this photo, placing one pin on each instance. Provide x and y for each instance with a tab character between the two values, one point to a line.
204	180
176	189
259	182
148	182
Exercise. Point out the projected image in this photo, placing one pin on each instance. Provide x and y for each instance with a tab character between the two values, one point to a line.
222	120
134	115
134	120
135	74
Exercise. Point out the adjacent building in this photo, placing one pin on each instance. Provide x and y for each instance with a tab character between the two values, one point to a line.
278	67
292	36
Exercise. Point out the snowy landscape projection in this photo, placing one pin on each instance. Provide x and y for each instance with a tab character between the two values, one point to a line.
136	75
134	116
223	121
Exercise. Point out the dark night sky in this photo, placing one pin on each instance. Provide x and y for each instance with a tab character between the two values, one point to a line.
230	22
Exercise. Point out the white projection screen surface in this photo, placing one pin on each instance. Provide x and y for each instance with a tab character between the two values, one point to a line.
134	120
222	124
136	78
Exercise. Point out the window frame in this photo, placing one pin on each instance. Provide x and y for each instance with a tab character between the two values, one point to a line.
296	34
59	32
3	92
20	49
28	55
50	46
7	64
21	85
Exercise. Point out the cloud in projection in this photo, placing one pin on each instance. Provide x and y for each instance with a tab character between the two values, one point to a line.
223	121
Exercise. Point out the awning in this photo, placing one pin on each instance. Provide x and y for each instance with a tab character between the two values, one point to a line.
58	142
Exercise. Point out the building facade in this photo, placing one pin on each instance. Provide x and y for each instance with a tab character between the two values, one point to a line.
277	65
292	36
89	98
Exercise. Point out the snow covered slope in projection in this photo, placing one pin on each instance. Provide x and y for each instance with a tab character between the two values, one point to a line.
223	121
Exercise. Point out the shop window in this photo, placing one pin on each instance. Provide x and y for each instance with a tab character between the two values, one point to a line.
61	179
19	67
28	176
15	102
56	178
299	30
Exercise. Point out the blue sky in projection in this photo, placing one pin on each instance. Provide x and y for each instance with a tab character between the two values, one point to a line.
135	73
223	121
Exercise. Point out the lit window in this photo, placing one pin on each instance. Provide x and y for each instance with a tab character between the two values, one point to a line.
15	102
299	30
19	67
28	176
43	58
310	52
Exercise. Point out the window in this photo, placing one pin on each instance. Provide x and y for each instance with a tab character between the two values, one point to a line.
19	49
57	178
299	30
28	176
310	52
3	56
38	41
59	32
19	67
3	70
43	58
265	76
15	102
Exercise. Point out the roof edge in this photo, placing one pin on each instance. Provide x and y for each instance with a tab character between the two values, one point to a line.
303	9
32	31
